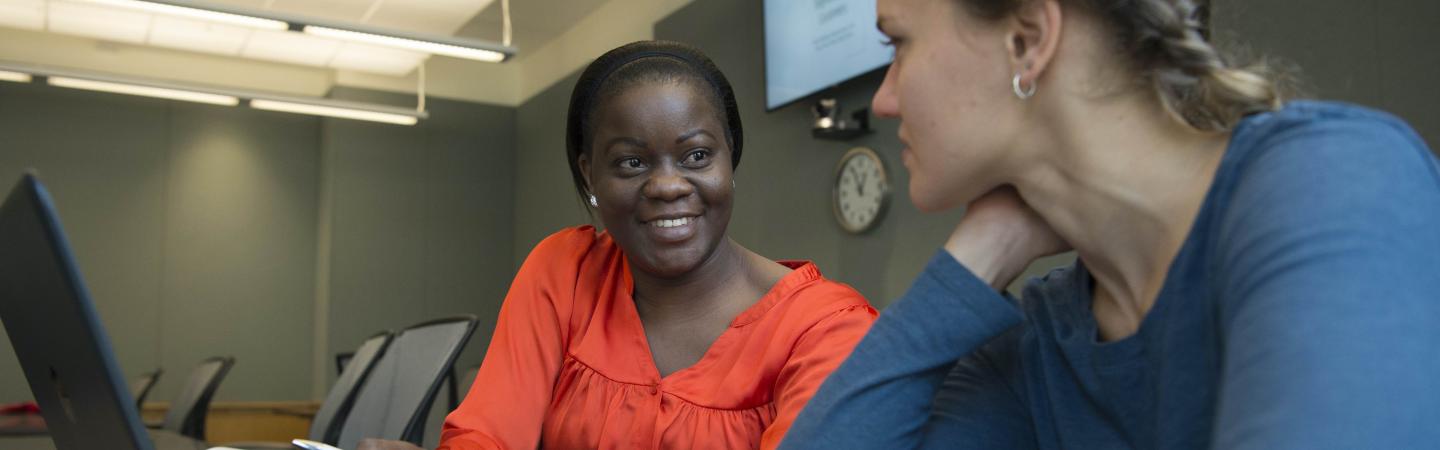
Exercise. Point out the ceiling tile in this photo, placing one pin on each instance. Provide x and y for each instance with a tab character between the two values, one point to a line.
198	35
24	14
247	4
381	60
442	17
294	48
342	10
98	22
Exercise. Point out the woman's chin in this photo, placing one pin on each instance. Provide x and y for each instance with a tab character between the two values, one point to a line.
928	201
674	263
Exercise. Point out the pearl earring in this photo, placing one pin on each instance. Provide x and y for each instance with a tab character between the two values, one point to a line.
593	202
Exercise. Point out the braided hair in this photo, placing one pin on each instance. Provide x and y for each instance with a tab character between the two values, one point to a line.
1166	42
638	63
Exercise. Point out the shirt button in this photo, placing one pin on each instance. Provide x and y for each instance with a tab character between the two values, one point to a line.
654	390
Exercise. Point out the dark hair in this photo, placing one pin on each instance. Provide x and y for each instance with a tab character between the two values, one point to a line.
648	62
1166	41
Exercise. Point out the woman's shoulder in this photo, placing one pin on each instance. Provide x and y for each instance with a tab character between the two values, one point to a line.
570	243
570	251
805	297
1322	182
1316	160
1323	133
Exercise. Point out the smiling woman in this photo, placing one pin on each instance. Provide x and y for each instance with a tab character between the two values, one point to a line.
661	331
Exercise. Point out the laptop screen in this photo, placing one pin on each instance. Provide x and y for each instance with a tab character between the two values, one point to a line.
62	347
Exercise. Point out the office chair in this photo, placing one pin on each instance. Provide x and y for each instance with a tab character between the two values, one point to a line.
140	388
337	405
189	409
394	402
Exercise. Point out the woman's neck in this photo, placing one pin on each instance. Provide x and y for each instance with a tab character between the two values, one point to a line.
1122	182
693	295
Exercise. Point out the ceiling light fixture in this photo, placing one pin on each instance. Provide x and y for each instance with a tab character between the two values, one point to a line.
433	44
332	111
144	91
18	77
432	47
243	20
213	95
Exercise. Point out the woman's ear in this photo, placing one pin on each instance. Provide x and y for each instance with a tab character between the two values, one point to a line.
583	162
1033	39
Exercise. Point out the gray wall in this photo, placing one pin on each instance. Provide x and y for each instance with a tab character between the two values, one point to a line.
545	199
190	224
420	217
1378	53
208	230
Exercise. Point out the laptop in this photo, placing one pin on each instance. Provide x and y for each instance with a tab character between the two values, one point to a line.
62	347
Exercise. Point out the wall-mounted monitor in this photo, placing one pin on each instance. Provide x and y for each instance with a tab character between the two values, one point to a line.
811	45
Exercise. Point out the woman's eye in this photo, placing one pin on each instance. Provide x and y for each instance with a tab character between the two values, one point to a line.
697	156
632	163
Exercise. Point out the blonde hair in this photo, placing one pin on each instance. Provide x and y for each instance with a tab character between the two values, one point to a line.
1165	42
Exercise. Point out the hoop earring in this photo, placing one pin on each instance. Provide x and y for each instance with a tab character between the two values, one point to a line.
594	203
1023	94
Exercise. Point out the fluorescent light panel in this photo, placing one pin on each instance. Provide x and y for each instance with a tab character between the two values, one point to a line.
407	44
196	13
17	77
331	111
145	91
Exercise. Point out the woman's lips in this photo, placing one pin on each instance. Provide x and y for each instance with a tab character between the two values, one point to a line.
672	230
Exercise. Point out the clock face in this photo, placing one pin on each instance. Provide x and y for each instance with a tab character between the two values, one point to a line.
861	190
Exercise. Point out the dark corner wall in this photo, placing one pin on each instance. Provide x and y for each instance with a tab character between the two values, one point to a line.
1377	53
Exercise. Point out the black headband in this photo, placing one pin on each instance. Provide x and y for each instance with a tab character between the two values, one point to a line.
627	59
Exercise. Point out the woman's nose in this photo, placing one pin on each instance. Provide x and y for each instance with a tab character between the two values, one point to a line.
666	185
885	103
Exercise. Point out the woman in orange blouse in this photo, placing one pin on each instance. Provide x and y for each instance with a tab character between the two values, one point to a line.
661	331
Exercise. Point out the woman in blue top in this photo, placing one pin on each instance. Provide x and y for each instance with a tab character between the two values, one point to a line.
1251	274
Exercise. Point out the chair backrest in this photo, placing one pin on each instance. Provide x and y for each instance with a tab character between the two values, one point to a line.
326	426
342	360
189	409
140	388
455	388
399	390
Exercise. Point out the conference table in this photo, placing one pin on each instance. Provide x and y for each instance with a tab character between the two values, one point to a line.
28	432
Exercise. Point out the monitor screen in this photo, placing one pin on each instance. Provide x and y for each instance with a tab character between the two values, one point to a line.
814	44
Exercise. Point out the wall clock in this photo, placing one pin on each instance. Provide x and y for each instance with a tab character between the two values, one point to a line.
862	190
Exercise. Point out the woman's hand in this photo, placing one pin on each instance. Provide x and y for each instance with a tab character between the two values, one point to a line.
1000	235
381	444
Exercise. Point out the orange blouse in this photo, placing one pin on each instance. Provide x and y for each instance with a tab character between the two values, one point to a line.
569	365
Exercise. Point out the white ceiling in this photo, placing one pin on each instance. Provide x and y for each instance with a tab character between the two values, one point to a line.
535	23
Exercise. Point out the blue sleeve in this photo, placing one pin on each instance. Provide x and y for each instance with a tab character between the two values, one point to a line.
977	407
1330	288
881	396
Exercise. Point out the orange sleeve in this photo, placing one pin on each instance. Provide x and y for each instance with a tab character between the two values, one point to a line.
818	352
506	405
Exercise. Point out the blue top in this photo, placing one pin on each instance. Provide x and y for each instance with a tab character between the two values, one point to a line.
1302	311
